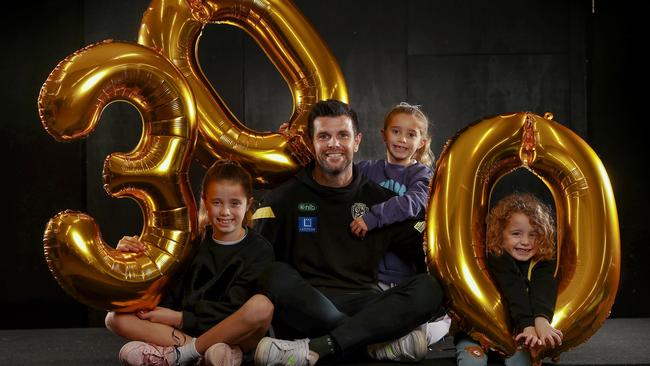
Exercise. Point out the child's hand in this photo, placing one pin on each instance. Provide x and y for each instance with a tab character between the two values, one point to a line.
547	334
529	337
359	227
162	315
284	128
130	244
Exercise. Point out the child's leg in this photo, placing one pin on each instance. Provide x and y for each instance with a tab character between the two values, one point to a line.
470	353
520	358
129	326
245	327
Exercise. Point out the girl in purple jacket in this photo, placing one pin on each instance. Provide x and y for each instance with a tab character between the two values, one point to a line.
407	172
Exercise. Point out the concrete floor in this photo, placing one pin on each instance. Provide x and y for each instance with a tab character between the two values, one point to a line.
618	342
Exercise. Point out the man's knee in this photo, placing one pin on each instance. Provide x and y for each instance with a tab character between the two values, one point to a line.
426	295
427	286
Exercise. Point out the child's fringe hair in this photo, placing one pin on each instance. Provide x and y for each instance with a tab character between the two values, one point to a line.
424	154
230	171
539	214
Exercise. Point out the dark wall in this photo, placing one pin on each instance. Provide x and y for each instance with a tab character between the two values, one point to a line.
461	61
40	177
618	84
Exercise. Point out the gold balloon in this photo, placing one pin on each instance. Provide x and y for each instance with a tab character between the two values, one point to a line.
587	224
166	84
174	28
154	174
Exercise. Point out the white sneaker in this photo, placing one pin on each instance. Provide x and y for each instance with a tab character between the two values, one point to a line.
412	347
437	329
272	351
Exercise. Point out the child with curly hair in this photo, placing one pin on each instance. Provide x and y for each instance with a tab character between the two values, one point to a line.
521	249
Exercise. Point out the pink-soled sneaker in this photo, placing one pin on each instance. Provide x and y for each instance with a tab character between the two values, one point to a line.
137	353
221	354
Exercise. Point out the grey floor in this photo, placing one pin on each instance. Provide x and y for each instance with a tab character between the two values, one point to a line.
618	342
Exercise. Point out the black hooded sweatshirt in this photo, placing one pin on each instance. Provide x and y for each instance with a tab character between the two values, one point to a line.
309	227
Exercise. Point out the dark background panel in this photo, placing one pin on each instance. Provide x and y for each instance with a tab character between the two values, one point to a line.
577	65
461	61
521	180
118	20
368	39
40	176
457	90
221	57
267	97
618	97
489	27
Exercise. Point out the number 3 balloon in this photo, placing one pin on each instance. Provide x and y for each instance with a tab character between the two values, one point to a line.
588	237
154	174
163	79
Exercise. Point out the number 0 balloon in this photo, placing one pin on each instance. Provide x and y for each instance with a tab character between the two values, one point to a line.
291	43
588	236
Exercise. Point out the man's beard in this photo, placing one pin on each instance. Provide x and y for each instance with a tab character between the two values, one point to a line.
333	171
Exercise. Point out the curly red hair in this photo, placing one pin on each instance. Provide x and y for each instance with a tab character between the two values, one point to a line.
538	214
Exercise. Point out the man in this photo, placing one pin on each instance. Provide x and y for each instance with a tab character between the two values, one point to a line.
325	284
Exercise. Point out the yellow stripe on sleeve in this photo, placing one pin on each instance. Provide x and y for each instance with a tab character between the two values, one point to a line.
263	213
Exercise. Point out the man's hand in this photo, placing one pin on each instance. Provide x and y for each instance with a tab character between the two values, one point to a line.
359	227
547	334
162	315
529	337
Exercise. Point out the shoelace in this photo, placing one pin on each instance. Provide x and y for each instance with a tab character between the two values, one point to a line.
156	356
286	357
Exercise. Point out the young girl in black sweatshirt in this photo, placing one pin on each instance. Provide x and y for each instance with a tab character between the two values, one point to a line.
212	311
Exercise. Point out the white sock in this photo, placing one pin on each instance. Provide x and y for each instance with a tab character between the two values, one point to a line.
188	352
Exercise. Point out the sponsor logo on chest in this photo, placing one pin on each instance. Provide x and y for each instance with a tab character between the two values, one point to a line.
359	209
307	224
307	207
